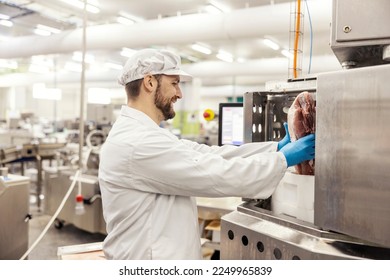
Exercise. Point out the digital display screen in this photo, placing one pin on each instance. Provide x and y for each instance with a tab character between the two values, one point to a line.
231	124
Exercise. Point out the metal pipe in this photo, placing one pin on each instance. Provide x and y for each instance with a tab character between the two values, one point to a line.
243	23
81	124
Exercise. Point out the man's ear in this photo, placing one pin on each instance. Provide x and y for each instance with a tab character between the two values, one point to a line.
148	82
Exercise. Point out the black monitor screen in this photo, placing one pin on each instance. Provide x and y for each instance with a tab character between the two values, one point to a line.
231	124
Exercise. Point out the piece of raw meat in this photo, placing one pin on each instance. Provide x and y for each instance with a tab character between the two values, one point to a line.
301	119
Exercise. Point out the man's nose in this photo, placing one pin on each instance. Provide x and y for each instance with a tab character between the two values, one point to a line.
179	93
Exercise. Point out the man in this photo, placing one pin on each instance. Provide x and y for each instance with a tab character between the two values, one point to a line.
149	178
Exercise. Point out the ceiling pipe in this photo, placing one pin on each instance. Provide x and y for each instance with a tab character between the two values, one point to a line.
245	23
262	70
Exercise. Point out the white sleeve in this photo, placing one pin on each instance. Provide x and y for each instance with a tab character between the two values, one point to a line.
230	151
166	165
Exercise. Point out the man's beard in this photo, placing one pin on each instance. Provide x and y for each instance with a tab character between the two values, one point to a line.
165	105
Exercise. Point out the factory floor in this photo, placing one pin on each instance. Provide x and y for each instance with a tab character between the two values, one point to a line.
67	236
48	246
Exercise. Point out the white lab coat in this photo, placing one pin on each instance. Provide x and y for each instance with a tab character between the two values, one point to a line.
148	178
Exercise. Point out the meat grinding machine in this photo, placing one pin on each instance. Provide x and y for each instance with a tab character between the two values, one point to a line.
343	211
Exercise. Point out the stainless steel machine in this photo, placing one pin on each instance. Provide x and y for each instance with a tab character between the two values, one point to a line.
351	185
14	216
360	32
59	179
57	183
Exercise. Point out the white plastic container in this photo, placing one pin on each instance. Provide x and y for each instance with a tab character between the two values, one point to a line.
294	197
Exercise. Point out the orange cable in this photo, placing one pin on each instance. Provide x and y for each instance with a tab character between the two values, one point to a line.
297	30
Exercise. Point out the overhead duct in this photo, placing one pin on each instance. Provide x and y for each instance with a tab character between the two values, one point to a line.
245	23
269	66
261	70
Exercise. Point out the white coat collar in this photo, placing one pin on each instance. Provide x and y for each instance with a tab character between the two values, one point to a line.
129	112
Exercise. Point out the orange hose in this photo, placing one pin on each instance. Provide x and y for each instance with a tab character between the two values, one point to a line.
297	30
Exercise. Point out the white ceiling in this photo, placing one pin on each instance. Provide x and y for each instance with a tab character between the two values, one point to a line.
243	39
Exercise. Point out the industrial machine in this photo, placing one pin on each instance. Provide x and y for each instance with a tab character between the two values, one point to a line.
14	216
89	217
349	197
83	208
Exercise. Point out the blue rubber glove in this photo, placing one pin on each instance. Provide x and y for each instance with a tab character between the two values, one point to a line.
286	138
300	150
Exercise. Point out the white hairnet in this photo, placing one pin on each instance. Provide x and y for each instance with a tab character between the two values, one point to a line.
151	61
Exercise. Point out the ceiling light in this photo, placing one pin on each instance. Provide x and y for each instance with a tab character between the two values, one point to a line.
287	54
225	56
99	96
42	60
212	9
41	92
48	28
44	10
80	4
215	7
192	58
201	48
130	17
271	44
39	69
42	32
78	56
10	64
2	16
93	9
114	66
5	22
73	66
40	64
124	20
127	52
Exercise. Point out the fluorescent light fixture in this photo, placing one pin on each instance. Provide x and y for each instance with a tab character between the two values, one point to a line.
127	52
215	7
99	96
43	9
37	87
39	69
41	92
48	28
2	16
130	16
201	48
93	9
271	44
124	20
10	64
42	60
78	56
225	56
80	4
287	54
73	66
42	32
114	66
192	58
53	93
212	10
6	22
